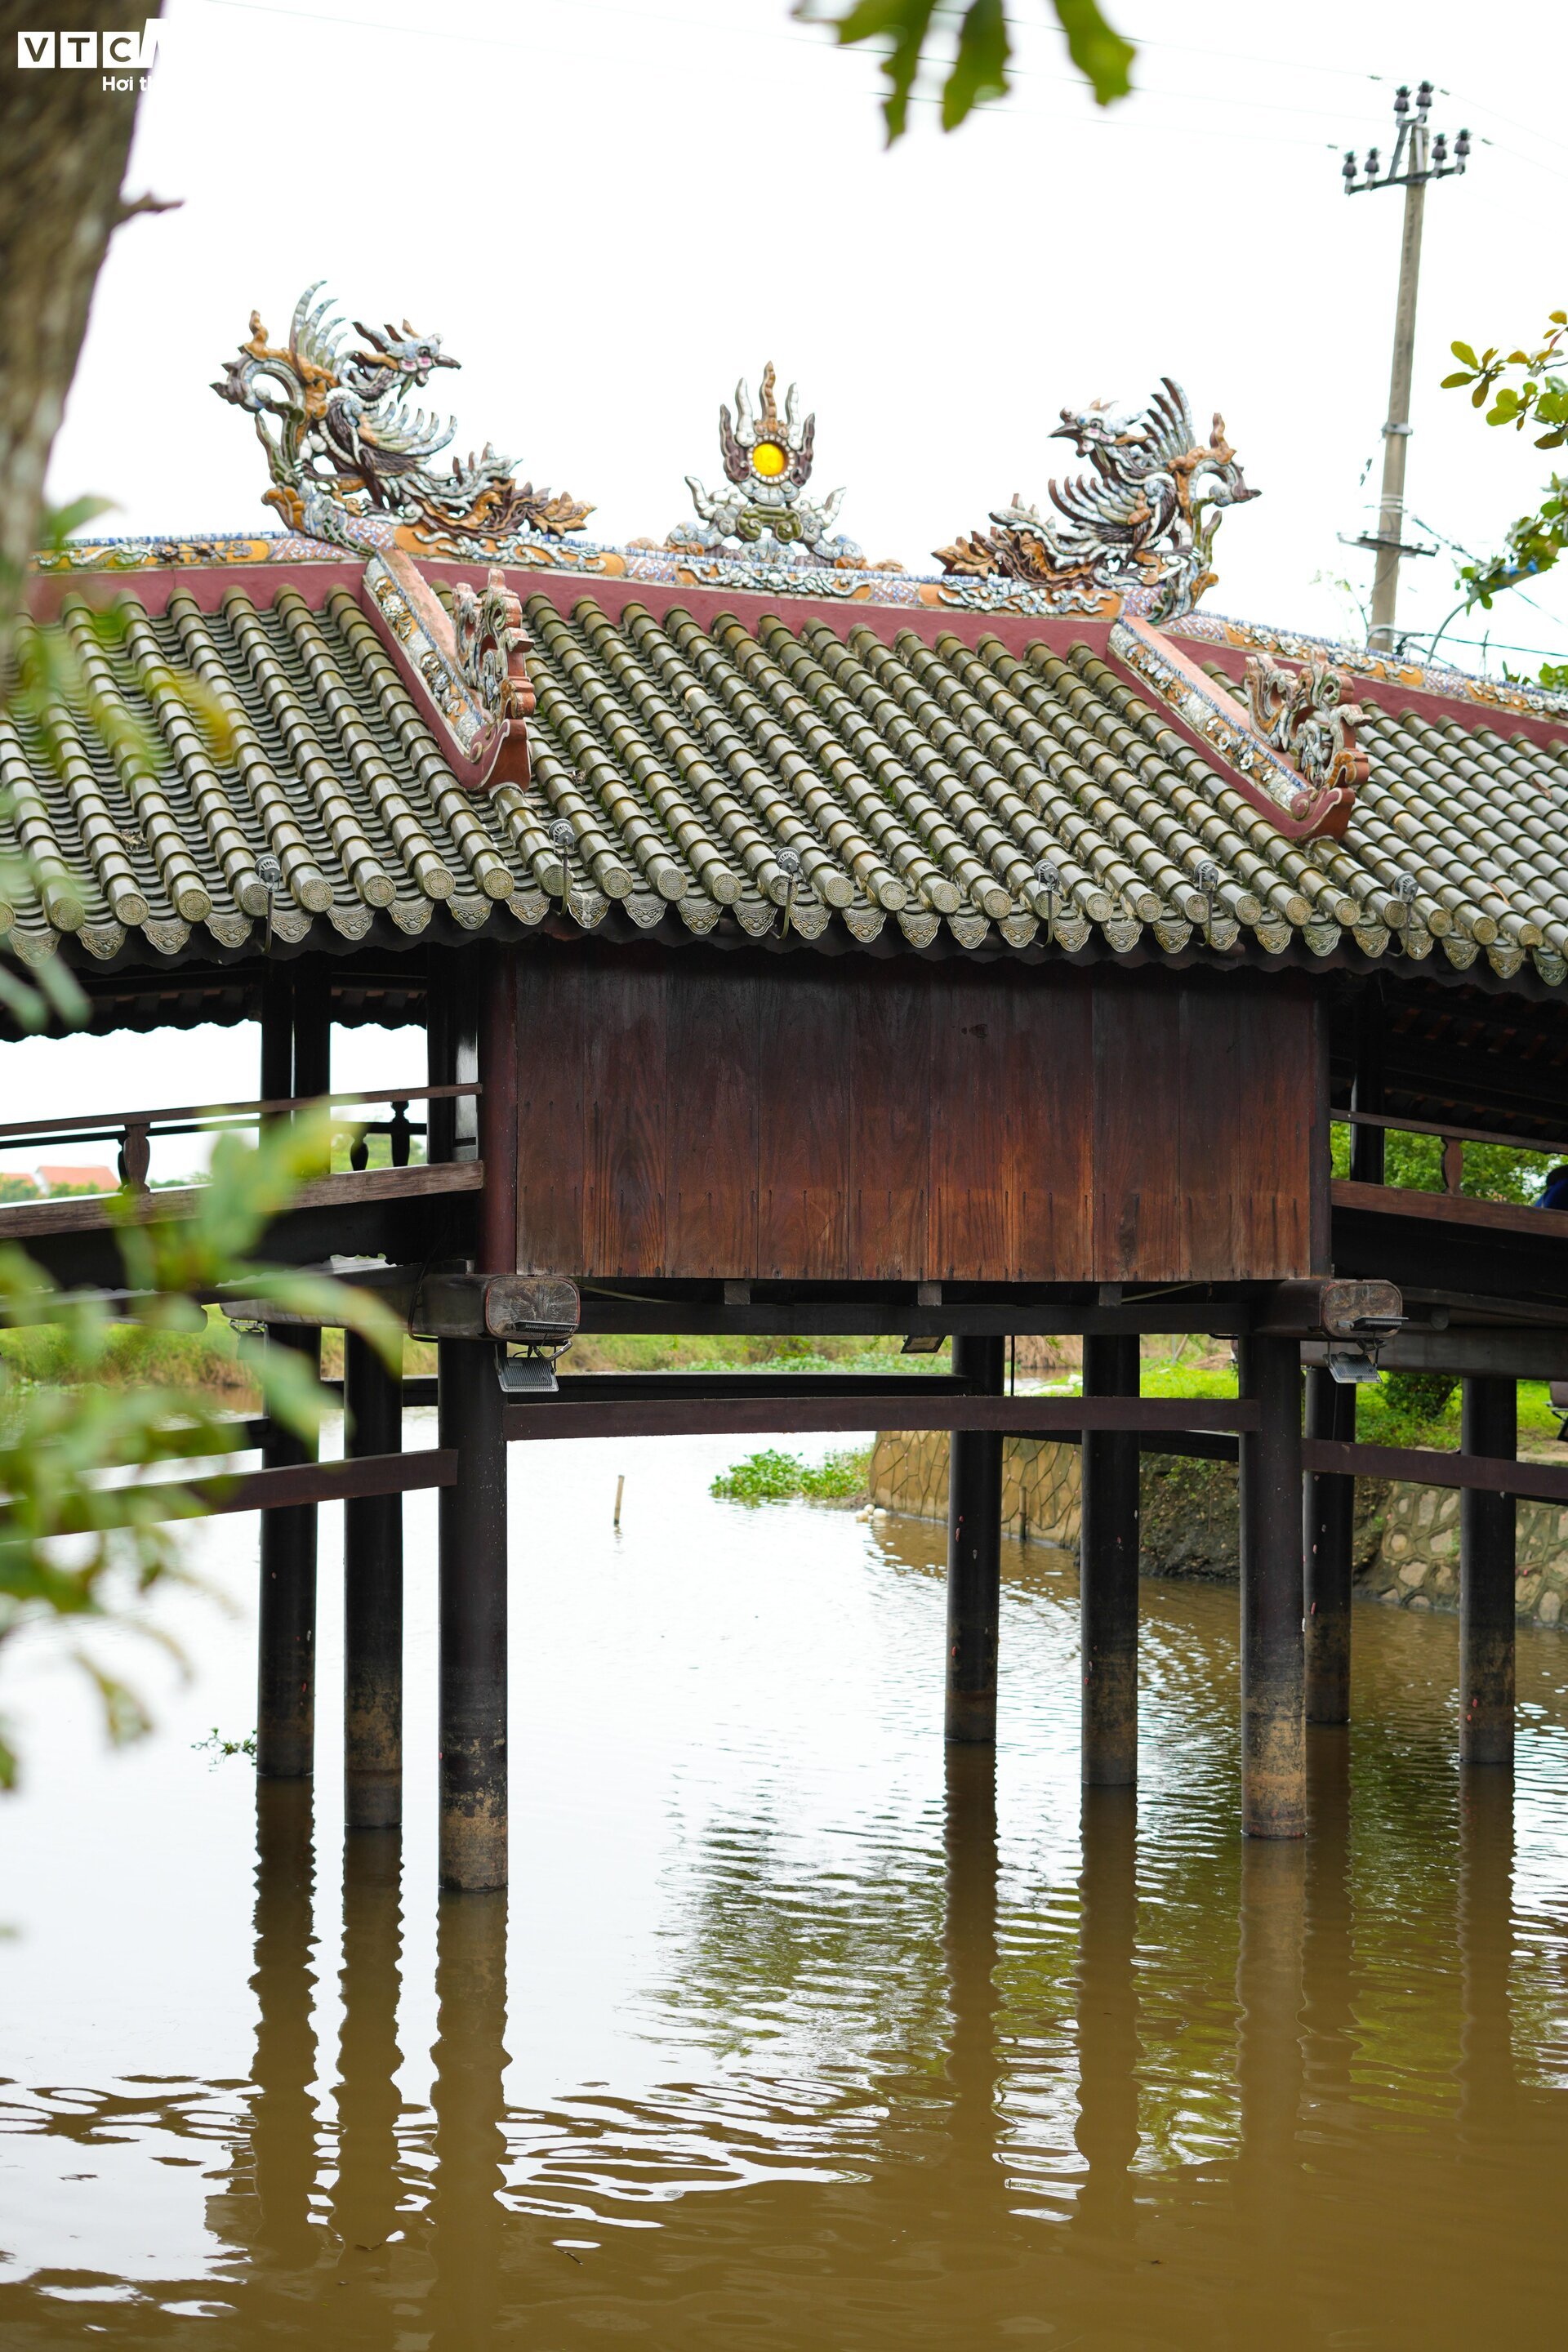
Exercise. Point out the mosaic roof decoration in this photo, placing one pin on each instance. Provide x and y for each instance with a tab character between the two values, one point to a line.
1292	752
764	525
344	452
1146	517
1010	787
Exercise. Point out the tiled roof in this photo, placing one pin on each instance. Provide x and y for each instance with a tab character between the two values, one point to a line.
921	775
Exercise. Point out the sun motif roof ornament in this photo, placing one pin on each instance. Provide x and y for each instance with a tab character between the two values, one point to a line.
352	465
764	522
1143	521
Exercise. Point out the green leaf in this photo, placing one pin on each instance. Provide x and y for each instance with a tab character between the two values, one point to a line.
905	25
1463	351
980	69
1454	382
1100	55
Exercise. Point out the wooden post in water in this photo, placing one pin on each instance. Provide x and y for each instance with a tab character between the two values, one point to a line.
372	1600
286	1627
1328	1529
974	1553
1107	1573
1273	1731
1489	1426
473	1546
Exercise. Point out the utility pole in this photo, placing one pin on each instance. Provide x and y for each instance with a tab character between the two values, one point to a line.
1423	158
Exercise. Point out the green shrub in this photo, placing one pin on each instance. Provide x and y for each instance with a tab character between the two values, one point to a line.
771	1476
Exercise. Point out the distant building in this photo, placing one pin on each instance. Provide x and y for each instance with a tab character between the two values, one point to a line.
55	1177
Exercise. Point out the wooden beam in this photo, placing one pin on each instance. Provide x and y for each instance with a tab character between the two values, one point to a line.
305	1482
910	1406
1537	1354
1420	1466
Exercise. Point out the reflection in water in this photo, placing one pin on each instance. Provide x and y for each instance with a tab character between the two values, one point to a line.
467	2222
816	2037
1107	2132
1487	2082
283	2111
368	2194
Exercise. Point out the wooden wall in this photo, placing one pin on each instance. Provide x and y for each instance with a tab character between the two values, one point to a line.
728	1114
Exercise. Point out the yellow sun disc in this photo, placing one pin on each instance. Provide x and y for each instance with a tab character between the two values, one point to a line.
769	459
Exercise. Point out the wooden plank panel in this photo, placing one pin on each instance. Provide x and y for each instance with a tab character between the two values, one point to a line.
555	1012
712	1061
803	1065
889	1144
1048	1141
1279	1077
970	1036
628	1108
1137	1130
1217	1128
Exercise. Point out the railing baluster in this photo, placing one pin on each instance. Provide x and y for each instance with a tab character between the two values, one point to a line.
135	1156
1454	1164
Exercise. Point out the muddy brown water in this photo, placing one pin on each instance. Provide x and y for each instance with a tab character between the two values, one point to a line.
793	2031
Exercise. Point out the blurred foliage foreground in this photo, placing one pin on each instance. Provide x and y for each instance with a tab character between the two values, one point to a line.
76	1541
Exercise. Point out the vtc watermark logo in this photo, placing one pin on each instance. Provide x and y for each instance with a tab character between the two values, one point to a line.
124	59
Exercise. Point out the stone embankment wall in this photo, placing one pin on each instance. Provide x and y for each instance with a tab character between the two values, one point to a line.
1406	1538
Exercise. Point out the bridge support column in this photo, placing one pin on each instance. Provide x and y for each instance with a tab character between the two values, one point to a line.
1108	1574
373	1601
1490	1426
286	1629
1328	1528
473	1562
974	1554
1273	1731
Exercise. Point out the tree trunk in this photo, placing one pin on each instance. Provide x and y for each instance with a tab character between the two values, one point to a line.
65	140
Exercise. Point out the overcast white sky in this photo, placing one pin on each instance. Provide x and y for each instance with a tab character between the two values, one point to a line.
610	210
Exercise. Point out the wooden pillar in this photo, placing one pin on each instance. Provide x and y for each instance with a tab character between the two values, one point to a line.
1328	1529
313	1026
975	1553
372	1600
1368	1144
498	1138
452	1010
473	1549
1489	1426
286	1631
1273	1734
277	1033
1107	1573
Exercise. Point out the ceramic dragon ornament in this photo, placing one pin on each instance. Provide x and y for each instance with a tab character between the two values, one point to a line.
345	453
1144	517
764	518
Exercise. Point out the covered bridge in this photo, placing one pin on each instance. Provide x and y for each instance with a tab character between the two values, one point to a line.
807	946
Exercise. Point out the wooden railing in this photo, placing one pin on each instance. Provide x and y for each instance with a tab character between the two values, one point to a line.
1453	1138
134	1132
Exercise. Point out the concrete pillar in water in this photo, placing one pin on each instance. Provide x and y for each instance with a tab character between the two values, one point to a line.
1490	1426
286	1627
372	1600
1327	1527
473	1544
1107	1573
974	1554
1273	1729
